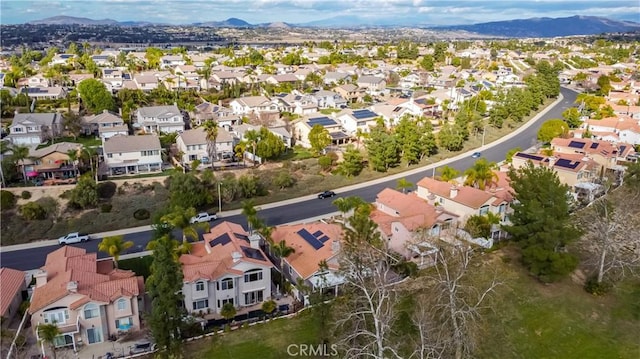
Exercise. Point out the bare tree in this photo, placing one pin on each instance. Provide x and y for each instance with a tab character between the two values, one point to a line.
611	227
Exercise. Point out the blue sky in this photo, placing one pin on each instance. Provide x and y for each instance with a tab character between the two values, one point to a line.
424	12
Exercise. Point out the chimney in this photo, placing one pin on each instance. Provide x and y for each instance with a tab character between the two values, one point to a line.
254	241
72	287
41	278
236	256
453	192
335	247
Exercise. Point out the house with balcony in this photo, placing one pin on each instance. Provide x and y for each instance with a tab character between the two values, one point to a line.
52	162
104	125
88	300
14	291
132	154
314	243
410	225
193	145
160	119
227	267
34	128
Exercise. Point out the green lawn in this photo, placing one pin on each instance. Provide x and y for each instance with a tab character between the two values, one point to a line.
264	341
86	141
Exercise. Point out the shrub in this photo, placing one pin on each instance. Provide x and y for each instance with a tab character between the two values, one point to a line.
105	207
50	206
593	287
325	163
7	200
141	214
25	195
33	211
107	189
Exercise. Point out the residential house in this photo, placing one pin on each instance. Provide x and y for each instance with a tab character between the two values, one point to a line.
88	300
606	154
228	77
329	99
193	145
252	104
132	154
52	161
409	223
160	119
227	267
373	85
145	82
45	93
38	80
466	201
334	78
209	111
34	128
313	243
113	78
619	129
353	120
302	128
350	92
171	61
572	169
189	72
61	59
105	125
13	293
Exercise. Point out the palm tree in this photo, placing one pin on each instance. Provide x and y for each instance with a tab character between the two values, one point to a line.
47	334
181	218
20	153
92	153
211	134
282	251
251	213
448	174
403	185
113	246
74	155
481	174
347	204
252	137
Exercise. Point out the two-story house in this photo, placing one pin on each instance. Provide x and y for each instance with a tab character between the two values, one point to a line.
171	61
410	224
105	124
193	144
349	92
302	128
34	128
44	93
373	85
52	161
88	300
132	154
329	99
572	169
146	82
604	153
160	119
613	129
354	120
227	267
252	104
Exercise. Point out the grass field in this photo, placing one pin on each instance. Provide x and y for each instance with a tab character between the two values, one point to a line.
529	320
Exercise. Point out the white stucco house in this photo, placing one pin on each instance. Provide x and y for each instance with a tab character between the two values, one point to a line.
132	154
160	119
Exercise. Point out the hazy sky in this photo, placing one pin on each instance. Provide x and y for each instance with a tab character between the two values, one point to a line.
426	12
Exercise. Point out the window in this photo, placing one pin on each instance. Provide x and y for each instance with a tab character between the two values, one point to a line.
441	201
91	311
94	335
253	297
124	323
121	304
199	286
227	284
290	270
58	316
109	155
484	210
221	303
253	275
201	304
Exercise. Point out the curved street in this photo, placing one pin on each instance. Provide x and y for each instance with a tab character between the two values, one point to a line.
33	255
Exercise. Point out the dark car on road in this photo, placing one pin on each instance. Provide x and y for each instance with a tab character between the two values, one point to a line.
476	155
326	194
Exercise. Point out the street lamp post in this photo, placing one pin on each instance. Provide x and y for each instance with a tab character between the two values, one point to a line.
219	198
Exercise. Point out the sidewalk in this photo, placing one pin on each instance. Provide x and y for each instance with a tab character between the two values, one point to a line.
235	212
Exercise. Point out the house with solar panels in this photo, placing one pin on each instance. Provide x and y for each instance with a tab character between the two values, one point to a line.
302	128
61	59
44	93
606	154
313	243
352	120
572	169
227	267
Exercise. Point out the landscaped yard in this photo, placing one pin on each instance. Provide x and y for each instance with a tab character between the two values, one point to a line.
529	320
86	141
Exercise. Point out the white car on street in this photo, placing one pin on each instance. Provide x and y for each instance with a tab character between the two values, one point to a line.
203	217
74	237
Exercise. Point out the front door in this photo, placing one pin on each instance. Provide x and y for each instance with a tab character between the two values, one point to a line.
94	335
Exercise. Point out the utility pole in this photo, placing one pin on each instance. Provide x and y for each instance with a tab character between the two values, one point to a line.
219	198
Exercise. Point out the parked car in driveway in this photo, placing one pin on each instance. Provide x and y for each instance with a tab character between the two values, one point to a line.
203	217
326	194
74	237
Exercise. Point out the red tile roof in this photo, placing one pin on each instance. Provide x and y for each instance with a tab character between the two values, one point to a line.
468	196
12	282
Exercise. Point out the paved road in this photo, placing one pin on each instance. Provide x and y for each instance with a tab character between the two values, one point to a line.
32	258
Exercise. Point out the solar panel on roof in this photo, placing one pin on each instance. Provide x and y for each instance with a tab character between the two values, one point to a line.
252	253
322	121
313	241
317	234
241	236
566	163
529	156
576	144
594	145
360	114
221	240
622	148
323	239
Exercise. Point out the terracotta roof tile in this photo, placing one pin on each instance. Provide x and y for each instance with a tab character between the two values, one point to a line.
468	196
12	282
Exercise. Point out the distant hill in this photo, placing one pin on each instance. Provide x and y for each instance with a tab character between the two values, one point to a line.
549	27
68	20
230	22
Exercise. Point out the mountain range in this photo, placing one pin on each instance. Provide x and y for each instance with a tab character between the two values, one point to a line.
533	27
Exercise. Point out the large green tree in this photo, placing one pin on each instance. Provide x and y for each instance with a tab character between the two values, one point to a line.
186	191
85	194
319	138
382	148
551	129
164	286
95	96
351	164
481	174
540	222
